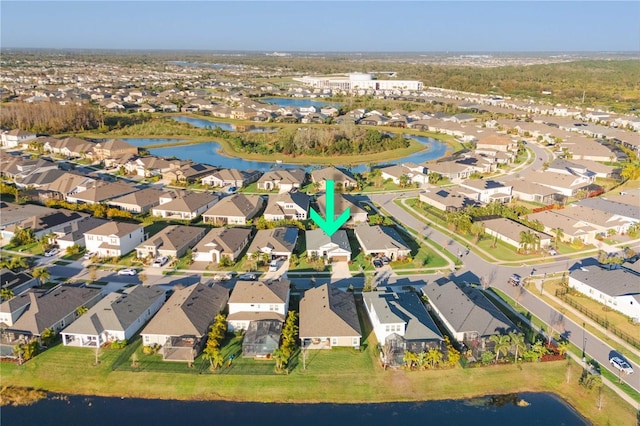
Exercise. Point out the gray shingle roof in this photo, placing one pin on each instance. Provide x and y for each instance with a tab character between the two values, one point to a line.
328	311
468	310
379	238
317	238
189	311
46	309
116	312
404	308
277	239
615	282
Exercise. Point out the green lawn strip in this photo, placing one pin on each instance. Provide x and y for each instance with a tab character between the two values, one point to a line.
615	318
340	376
543	326
423	255
61	262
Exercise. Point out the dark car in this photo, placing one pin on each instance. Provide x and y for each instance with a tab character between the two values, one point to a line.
385	260
515	279
377	263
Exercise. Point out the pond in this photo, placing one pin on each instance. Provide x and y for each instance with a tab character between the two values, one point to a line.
538	409
199	122
209	153
298	102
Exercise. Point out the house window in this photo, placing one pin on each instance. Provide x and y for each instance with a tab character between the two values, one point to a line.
146	339
334	341
354	342
387	328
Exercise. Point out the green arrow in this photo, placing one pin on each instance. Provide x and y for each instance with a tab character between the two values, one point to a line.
331	224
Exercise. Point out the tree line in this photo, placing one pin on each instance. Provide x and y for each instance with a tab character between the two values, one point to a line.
49	118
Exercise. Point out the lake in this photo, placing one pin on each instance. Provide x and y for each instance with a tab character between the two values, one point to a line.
199	122
298	102
208	153
543	409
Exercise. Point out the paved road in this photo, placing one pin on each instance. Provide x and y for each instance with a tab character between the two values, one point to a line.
497	276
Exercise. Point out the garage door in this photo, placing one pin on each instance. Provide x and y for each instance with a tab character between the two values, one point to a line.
339	259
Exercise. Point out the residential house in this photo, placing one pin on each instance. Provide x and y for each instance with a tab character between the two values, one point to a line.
342	202
172	242
140	201
284	180
151	166
257	301
525	190
11	214
510	232
381	240
100	192
341	178
329	318
495	142
14	138
401	321
236	209
40	180
467	314
618	289
403	175
116	318
67	184
17	282
45	224
189	207
113	148
73	233
486	190
450	170
113	239
566	184
628	213
17	169
448	199
231	177
222	243
287	206
276	242
186	172
331	249
182	324
39	310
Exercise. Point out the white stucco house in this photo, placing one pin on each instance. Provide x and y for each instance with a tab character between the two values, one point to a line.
114	239
619	289
256	301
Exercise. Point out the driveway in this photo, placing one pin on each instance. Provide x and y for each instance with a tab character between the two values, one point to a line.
340	271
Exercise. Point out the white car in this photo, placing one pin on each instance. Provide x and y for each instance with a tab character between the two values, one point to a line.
128	271
552	252
273	266
88	255
160	261
51	252
247	277
621	365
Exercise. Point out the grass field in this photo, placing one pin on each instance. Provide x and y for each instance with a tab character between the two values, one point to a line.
331	376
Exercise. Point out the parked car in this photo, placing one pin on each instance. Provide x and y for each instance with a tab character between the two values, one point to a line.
621	365
160	261
552	252
231	189
88	255
51	252
385	260
128	271
247	277
273	266
377	263
515	279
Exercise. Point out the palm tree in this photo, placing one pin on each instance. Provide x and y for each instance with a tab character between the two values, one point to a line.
502	344
434	178
81	310
280	358
517	342
558	234
404	181
563	347
410	359
41	274
477	229
526	240
434	356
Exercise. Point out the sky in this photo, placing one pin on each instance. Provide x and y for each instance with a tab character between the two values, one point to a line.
325	26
